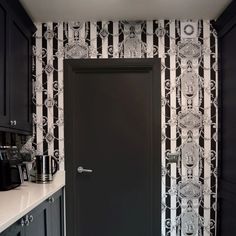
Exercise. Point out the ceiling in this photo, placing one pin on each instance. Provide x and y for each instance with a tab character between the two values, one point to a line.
84	10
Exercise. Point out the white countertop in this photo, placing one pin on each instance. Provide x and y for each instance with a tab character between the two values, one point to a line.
19	201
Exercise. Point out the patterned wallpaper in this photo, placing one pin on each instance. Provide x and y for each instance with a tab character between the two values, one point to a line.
188	52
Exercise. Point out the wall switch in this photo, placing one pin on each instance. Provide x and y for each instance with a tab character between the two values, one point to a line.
173	157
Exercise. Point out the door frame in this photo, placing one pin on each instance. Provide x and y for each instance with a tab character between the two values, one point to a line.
151	65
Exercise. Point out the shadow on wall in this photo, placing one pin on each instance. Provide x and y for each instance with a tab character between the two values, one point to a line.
12	139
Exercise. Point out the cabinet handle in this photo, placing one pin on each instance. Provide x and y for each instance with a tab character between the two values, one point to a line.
51	199
31	218
22	222
13	122
27	222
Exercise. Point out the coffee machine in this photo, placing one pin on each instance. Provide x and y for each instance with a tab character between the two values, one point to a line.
11	175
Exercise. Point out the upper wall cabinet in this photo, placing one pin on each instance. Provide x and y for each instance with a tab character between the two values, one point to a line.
226	27
16	29
4	37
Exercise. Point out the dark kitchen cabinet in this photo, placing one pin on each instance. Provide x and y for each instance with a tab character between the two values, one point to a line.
34	223
226	28
15	230
47	219
20	83
4	55
37	222
56	210
16	31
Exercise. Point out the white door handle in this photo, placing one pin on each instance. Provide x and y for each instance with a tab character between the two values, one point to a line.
81	169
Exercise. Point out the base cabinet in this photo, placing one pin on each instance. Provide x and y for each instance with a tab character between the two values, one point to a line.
45	220
14	230
37	222
57	214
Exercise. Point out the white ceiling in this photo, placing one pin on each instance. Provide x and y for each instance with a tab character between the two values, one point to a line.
83	10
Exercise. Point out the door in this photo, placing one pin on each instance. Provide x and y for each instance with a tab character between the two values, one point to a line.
227	162
227	178
112	130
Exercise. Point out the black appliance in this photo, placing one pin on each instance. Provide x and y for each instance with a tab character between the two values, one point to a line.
10	168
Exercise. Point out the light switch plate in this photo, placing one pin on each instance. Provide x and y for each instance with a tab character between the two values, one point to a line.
173	157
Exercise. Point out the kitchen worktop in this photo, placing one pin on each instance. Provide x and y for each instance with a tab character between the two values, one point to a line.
19	201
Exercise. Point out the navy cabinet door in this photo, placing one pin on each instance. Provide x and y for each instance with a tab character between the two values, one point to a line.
20	77
39	224
15	230
48	218
57	214
4	86
16	31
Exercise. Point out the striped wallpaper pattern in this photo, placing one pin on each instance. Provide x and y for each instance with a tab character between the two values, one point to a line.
189	91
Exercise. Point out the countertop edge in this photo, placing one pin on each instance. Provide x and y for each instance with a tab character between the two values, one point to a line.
12	220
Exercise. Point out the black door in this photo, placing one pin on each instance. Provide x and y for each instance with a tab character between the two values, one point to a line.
112	130
226	26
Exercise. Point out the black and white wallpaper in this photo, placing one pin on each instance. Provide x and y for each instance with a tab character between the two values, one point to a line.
189	91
